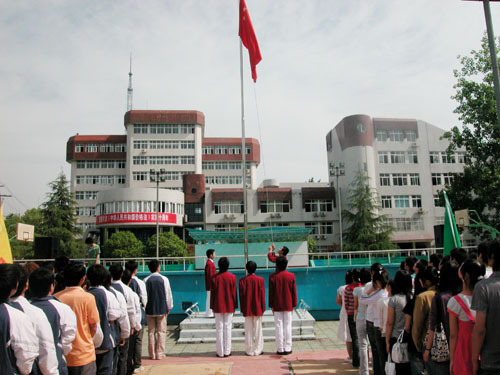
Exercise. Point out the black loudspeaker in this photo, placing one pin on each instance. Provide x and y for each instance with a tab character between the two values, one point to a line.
438	235
47	247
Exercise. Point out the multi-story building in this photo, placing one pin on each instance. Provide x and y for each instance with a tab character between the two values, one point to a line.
407	164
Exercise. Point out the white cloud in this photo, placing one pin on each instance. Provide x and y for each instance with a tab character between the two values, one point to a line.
64	71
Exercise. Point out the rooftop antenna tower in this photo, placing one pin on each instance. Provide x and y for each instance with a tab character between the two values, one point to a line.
130	90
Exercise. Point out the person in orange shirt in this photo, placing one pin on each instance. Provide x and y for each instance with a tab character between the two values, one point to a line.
81	359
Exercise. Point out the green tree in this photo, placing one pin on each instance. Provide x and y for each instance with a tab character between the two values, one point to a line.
170	245
122	245
21	249
477	188
311	245
58	216
366	229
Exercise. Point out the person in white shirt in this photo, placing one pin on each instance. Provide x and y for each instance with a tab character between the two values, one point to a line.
19	344
371	295
61	318
134	359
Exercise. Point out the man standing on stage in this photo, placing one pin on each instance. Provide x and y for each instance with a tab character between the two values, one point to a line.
223	301
252	306
271	255
282	300
210	271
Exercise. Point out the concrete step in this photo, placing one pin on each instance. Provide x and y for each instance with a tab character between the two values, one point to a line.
199	329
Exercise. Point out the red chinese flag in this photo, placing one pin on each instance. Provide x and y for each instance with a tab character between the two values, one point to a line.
248	38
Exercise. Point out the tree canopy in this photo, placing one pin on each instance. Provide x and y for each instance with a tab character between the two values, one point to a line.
122	245
477	188
170	245
366	228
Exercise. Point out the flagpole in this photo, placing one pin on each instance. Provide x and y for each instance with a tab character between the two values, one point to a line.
243	158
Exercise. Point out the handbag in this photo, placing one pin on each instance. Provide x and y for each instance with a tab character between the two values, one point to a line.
390	366
399	352
440	352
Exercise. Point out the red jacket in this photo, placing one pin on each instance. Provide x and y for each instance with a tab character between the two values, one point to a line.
282	291
223	295
272	256
210	271
252	295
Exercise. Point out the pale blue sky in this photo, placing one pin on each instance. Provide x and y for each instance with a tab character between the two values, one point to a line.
64	71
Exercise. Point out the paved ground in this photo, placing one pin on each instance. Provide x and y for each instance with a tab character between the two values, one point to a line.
324	355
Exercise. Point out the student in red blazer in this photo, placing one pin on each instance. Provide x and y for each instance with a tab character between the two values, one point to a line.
282	300
210	271
271	255
223	301
252	306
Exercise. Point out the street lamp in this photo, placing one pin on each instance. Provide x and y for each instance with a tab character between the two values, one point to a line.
338	169
157	176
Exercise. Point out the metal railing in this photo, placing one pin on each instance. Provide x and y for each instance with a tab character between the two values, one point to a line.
315	260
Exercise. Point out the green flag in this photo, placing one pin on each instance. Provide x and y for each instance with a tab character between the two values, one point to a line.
451	238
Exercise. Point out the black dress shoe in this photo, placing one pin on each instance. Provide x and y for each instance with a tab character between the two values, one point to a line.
227	355
281	353
219	356
286	353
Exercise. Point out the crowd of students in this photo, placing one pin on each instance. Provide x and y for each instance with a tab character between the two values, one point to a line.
65	318
445	309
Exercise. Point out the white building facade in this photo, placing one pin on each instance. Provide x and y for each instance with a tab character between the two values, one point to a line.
407	164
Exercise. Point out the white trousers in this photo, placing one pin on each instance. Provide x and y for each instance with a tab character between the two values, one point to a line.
283	326
363	347
208	311
223	325
254	341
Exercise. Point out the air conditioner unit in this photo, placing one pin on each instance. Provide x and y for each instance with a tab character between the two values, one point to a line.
323	237
315	214
143	151
278	215
322	214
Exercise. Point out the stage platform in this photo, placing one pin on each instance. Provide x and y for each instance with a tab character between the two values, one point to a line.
198	329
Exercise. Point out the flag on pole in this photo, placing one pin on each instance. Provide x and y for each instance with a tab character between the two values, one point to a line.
451	238
5	252
248	38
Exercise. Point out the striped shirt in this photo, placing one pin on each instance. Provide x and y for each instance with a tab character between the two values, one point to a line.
349	298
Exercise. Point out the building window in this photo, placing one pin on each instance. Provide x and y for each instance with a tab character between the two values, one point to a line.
140	145
79	147
93	164
248	150
80	164
401	201
107	147
416	201
412	157
397	157
187	159
79	195
414	179
120	164
80	180
228	227
207	150
320	227
461	157
140	176
448	158
234	150
434	157
318	205
275	206
220	150
436	200
448	178
92	147
403	224
120	147
381	135
436	179
187	145
396	135
140	160
386	201
140	128
399	179
383	157
411	135
228	207
385	179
